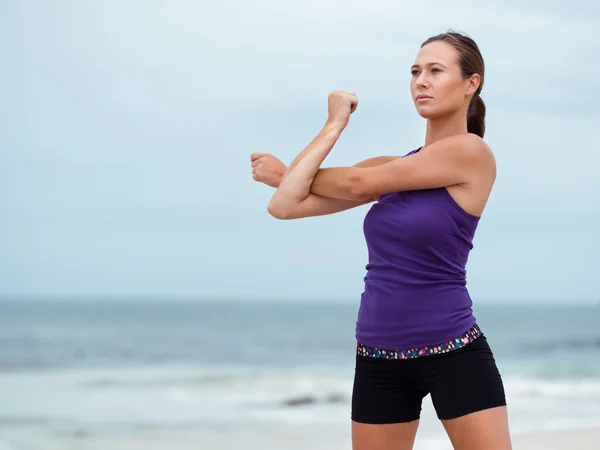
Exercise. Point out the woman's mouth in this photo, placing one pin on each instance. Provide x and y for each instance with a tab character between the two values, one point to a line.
423	98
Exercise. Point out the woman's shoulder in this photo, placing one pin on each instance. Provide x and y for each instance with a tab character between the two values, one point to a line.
466	147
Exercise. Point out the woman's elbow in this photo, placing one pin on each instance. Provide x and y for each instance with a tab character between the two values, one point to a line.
358	190
278	212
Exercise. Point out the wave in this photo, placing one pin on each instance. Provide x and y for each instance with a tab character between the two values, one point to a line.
332	398
294	389
587	343
218	398
521	387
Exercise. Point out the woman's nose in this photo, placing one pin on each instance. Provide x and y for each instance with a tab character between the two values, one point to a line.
422	81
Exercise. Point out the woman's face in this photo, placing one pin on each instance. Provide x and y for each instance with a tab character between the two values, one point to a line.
437	84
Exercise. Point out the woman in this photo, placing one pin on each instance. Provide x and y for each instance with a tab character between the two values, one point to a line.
416	333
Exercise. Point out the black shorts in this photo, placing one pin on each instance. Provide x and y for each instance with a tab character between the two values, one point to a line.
460	382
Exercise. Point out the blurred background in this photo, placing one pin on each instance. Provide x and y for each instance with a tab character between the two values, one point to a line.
147	298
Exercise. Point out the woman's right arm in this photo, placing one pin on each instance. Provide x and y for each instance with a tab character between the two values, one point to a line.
264	168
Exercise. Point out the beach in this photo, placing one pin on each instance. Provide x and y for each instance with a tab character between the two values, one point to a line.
300	438
585	439
260	376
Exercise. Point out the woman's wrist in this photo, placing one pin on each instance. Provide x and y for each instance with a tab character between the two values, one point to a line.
334	126
282	175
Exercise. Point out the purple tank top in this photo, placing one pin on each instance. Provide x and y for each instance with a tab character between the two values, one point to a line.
415	291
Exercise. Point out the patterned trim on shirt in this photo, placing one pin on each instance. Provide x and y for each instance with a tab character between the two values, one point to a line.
464	339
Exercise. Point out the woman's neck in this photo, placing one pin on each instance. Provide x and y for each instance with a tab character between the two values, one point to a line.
445	127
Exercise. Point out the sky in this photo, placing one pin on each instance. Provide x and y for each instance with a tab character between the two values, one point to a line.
126	129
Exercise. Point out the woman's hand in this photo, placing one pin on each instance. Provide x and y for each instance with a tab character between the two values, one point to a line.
341	105
267	169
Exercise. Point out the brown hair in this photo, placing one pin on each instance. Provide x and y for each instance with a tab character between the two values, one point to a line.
470	61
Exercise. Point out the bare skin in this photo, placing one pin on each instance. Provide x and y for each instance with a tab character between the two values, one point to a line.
451	158
487	429
394	436
269	170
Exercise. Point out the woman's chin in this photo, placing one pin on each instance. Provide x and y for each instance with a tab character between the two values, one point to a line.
427	112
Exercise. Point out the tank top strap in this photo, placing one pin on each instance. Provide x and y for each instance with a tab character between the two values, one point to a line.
412	152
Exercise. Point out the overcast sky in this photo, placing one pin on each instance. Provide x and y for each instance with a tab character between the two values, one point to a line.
126	129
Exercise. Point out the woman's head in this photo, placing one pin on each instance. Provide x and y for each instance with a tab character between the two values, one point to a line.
447	76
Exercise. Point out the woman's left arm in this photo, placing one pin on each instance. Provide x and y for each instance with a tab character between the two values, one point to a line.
296	184
450	161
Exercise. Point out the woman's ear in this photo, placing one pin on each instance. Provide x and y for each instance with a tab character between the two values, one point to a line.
473	84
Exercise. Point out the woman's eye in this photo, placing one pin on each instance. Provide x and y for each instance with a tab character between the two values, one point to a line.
435	69
414	72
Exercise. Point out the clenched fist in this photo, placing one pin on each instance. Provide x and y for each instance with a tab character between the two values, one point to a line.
341	104
267	169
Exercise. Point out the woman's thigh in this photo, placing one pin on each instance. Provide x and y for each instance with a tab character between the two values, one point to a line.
486	429
394	436
386	404
468	395
385	391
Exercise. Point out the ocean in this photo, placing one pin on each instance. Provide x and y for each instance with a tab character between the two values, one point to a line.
228	374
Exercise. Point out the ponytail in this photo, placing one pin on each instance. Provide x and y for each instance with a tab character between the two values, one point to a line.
476	116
